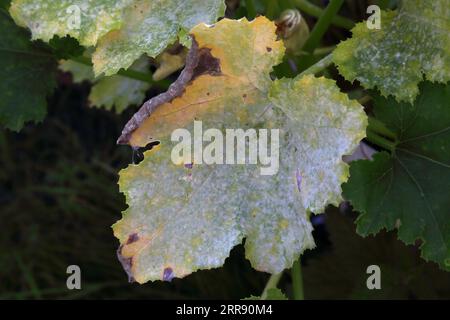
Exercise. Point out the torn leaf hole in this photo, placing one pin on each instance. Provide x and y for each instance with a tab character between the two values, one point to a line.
138	152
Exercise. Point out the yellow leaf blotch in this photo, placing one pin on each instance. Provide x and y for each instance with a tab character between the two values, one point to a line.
241	83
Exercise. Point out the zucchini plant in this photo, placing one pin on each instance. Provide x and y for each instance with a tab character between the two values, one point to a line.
251	64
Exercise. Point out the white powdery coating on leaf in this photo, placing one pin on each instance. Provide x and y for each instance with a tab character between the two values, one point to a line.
46	18
187	215
411	43
149	27
191	218
325	125
181	219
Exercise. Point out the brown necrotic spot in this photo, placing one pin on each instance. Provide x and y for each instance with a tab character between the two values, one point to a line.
168	274
132	238
207	64
269	49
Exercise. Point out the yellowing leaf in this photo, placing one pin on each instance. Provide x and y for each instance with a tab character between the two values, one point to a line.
169	63
85	20
184	218
149	27
223	80
412	42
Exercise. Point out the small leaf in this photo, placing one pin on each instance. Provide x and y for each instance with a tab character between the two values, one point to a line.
25	67
120	92
169	63
149	27
80	72
184	218
412	42
409	189
113	91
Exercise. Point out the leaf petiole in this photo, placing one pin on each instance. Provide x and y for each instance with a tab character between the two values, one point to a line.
271	283
317	12
319	66
322	25
380	141
297	280
379	127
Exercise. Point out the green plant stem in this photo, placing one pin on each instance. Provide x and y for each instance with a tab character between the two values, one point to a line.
379	127
132	74
286	4
380	141
363	100
271	283
272	8
322	25
297	280
319	66
323	51
320	51
251	10
317	12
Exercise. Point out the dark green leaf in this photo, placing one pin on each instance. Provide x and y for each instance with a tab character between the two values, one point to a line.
27	72
66	47
409	189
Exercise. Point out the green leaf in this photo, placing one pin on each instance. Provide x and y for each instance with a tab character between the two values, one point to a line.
412	42
409	189
80	72
85	20
272	294
114	91
24	68
120	92
184	218
149	27
64	48
122	30
338	271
